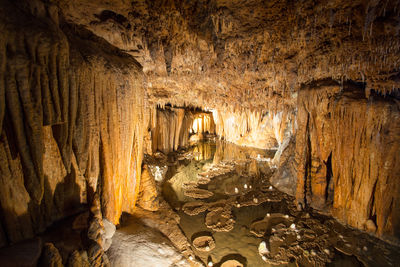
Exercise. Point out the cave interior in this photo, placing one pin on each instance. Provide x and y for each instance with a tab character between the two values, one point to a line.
199	133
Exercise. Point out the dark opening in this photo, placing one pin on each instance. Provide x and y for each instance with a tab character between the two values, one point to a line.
329	190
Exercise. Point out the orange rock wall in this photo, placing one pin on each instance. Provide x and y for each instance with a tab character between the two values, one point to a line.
170	128
347	150
71	122
252	128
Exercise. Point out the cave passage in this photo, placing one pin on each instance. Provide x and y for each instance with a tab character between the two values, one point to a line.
227	210
199	133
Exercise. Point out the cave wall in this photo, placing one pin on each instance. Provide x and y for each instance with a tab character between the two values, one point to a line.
71	121
171	128
347	150
256	129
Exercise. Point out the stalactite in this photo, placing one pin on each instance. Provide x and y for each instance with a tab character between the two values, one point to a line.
254	128
172	127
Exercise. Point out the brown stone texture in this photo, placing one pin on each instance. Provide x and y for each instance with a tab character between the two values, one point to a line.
50	256
285	176
237	55
76	112
204	243
71	116
170	128
347	149
254	128
22	254
76	260
148	194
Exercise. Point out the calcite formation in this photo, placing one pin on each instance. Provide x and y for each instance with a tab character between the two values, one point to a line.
256	129
148	194
231	263
204	243
220	219
194	207
87	86
260	227
170	128
240	54
347	153
72	110
198	193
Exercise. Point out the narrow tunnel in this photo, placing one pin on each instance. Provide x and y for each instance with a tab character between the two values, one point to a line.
199	133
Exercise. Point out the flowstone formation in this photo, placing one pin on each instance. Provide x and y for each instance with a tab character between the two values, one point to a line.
62	142
351	166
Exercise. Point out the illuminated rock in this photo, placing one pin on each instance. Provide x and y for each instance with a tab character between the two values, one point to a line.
148	195
231	263
344	164
220	219
78	89
204	243
260	227
76	113
195	207
198	193
170	128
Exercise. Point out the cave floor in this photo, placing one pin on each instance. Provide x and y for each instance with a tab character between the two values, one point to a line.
243	212
218	206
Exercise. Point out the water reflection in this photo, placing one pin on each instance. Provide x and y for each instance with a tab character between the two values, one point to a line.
229	172
223	190
204	150
234	170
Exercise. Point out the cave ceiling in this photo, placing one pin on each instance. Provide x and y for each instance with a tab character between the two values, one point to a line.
249	54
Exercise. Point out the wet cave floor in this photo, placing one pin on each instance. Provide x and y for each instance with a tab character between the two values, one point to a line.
232	216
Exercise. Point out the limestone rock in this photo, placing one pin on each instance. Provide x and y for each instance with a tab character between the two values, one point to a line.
220	219
344	163
96	227
75	113
285	177
50	256
106	244
370	226
77	260
252	56
109	229
97	257
231	263
139	245
198	193
148	195
65	129
170	127
260	227
204	243
194	207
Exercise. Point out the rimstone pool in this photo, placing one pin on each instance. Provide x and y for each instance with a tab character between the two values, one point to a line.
233	216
